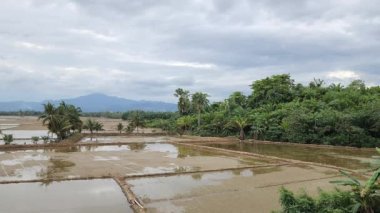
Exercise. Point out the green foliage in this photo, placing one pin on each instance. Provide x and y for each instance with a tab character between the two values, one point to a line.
136	119
366	196
120	127
199	102
8	138
183	101
363	198
335	202
148	115
279	110
63	120
185	123
35	139
168	126
92	125
45	139
272	90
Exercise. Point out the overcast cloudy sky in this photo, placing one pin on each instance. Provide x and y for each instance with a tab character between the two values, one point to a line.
145	49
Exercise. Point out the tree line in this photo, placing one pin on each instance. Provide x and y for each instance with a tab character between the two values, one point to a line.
278	109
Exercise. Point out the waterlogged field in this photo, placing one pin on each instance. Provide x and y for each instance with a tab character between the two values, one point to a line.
80	196
350	158
121	160
247	190
163	173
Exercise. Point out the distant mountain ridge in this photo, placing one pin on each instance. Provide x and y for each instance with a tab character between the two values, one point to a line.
95	102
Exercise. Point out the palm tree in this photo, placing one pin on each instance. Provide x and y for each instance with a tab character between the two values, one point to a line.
90	125
48	116
98	126
61	127
184	123
136	119
240	122
199	103
183	101
61	120
120	127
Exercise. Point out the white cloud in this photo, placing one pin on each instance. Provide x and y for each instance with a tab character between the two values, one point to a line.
95	35
146	50
30	45
170	63
343	74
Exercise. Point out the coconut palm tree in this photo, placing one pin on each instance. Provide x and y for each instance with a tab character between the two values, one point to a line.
61	120
199	102
48	115
90	125
98	126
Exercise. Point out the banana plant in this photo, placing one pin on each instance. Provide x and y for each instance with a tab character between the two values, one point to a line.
366	196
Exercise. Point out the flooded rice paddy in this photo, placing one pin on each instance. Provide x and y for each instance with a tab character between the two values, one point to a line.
25	134
116	160
165	177
80	196
357	159
247	190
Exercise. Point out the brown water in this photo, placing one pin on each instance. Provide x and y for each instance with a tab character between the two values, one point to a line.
157	193
84	196
246	190
357	159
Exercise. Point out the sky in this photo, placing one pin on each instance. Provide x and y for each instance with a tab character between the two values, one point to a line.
145	49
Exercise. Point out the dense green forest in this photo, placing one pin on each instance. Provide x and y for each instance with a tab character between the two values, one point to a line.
278	109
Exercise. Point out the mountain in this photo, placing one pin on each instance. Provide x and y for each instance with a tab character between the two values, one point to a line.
94	103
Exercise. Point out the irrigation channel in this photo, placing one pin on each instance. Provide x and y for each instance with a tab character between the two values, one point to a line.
166	174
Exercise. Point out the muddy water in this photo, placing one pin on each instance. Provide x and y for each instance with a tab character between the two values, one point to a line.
348	158
97	161
157	193
248	190
23	134
87	196
7	126
125	139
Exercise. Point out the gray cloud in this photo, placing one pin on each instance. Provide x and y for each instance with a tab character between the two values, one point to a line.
146	49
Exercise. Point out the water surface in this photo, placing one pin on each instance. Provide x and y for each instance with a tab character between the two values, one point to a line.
83	196
347	158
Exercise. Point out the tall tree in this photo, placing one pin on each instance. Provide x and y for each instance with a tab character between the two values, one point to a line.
136	119
199	103
62	119
90	125
183	101
272	90
120	127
